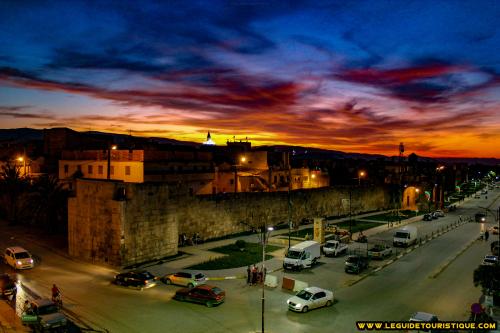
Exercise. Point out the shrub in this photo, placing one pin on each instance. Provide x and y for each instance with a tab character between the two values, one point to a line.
240	243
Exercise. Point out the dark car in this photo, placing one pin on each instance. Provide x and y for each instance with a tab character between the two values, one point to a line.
427	217
356	263
137	279
204	294
495	248
8	286
480	217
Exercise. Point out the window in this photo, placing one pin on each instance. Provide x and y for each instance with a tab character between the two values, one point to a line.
127	170
112	170
66	168
231	181
100	169
89	169
79	167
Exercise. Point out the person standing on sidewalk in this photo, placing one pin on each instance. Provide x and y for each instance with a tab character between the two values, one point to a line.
254	275
249	275
486	235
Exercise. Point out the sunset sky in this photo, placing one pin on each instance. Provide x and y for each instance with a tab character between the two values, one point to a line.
355	76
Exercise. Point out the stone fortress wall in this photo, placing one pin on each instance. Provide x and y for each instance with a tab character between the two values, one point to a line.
125	223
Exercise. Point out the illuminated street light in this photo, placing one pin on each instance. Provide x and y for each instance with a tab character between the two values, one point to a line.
265	238
243	159
361	174
110	147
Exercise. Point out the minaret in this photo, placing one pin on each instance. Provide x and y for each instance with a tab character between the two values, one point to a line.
209	140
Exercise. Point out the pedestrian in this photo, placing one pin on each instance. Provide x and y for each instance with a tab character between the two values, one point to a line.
26	307
254	275
249	275
486	235
260	276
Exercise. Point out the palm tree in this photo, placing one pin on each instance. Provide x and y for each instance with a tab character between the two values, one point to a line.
13	194
49	202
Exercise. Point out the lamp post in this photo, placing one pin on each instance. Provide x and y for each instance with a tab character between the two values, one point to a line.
361	174
110	147
265	236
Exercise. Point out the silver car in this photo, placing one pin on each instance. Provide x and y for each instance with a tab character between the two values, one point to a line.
310	298
185	279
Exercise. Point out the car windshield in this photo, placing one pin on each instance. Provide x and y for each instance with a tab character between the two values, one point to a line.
330	245
292	254
490	261
304	294
22	255
43	310
217	290
199	276
401	235
147	275
352	259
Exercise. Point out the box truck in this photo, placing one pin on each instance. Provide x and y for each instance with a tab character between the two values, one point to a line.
405	236
302	255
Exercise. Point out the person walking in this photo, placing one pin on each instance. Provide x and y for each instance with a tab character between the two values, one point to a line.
486	235
249	275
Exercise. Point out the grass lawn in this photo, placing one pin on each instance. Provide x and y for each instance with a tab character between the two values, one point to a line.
236	258
392	216
357	226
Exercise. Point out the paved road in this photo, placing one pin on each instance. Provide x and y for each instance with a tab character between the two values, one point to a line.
392	293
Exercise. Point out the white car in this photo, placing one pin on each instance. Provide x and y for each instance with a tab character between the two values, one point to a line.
310	298
439	213
186	279
18	258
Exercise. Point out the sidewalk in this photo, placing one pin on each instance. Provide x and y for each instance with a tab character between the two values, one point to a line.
9	321
201	253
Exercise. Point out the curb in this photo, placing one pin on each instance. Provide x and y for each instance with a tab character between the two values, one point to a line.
236	277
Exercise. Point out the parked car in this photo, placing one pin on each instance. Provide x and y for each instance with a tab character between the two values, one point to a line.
355	264
434	216
427	217
186	279
490	260
380	251
495	248
334	248
310	298
18	258
7	286
493	230
477	196
138	279
44	316
439	213
204	294
424	317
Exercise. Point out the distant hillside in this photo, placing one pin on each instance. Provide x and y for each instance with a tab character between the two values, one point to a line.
20	134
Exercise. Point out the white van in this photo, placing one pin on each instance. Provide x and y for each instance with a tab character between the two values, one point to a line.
405	236
302	255
18	258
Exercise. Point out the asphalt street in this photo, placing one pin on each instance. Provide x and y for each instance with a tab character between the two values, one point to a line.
393	293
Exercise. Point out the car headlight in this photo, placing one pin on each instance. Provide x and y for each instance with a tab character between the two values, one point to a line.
31	261
19	263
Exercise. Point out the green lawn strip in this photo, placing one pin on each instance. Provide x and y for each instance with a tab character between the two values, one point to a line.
357	226
236	258
392	216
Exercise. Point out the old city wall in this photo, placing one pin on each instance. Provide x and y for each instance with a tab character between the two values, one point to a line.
121	223
217	216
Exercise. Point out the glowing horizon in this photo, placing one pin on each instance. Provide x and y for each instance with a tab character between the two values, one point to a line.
356	77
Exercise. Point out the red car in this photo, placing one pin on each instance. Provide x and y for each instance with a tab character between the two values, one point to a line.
204	294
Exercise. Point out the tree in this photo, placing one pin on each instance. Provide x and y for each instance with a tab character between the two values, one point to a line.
49	202
488	277
13	194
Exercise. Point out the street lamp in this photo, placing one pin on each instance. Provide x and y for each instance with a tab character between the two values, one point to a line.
265	237
361	174
110	147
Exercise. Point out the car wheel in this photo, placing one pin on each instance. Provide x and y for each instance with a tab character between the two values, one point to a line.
328	303
167	281
209	304
305	309
190	285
